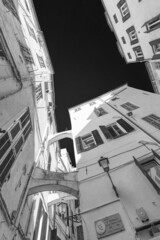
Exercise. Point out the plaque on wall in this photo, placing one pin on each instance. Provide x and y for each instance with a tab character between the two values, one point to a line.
109	225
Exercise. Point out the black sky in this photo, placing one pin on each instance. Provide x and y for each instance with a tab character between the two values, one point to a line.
84	55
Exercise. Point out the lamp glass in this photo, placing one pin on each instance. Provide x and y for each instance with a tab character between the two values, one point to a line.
103	162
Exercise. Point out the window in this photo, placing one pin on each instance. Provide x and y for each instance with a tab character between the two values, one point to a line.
129	106
92	103
155	44
46	87
132	35
41	61
116	129
151	169
39	94
77	109
115	18
139	54
129	55
99	111
115	98
88	141
153	24
12	141
31	32
153	120
156	65
26	53
123	40
9	4
124	10
80	235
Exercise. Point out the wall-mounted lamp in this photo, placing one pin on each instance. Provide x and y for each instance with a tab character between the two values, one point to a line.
104	163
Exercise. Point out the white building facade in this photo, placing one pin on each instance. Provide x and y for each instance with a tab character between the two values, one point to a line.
26	119
122	128
136	25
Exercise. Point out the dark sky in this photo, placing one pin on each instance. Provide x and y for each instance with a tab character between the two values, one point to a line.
84	54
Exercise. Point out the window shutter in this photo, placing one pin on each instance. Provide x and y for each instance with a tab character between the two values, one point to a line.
79	145
97	137
105	132
125	125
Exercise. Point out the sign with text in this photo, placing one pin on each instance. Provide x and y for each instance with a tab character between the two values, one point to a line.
109	225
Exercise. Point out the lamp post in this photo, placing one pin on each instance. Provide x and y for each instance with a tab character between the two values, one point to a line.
104	163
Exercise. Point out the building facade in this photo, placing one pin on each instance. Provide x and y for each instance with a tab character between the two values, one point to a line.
116	142
136	26
26	119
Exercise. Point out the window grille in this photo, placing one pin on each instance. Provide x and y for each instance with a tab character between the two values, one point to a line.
39	94
26	53
41	61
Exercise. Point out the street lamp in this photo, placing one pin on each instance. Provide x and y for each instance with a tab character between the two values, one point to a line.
104	163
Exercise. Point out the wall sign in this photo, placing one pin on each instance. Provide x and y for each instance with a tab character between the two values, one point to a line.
109	225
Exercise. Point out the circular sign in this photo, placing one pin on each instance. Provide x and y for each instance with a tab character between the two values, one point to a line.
100	227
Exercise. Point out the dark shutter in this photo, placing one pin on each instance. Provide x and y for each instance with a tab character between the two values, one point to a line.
6	165
97	137
79	145
5	143
125	125
105	132
15	130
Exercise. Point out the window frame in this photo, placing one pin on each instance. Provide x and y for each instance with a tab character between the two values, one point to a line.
140	164
41	61
150	24
124	10
138	53
132	34
153	120
129	106
38	91
82	146
116	129
153	45
26	53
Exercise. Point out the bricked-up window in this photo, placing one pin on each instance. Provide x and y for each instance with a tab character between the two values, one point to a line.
88	141
132	35
129	106
39	94
139	54
41	61
9	4
12	142
116	129
153	119
31	32
153	24
155	44
26	53
99	111
124	10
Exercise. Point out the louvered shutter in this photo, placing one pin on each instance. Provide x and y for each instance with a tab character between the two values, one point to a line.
105	132
97	137
125	125
79	145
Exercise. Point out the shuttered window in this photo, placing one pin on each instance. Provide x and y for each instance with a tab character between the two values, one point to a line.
12	142
88	141
116	129
129	106
153	119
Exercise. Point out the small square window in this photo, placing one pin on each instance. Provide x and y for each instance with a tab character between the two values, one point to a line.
129	55
100	111
115	18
